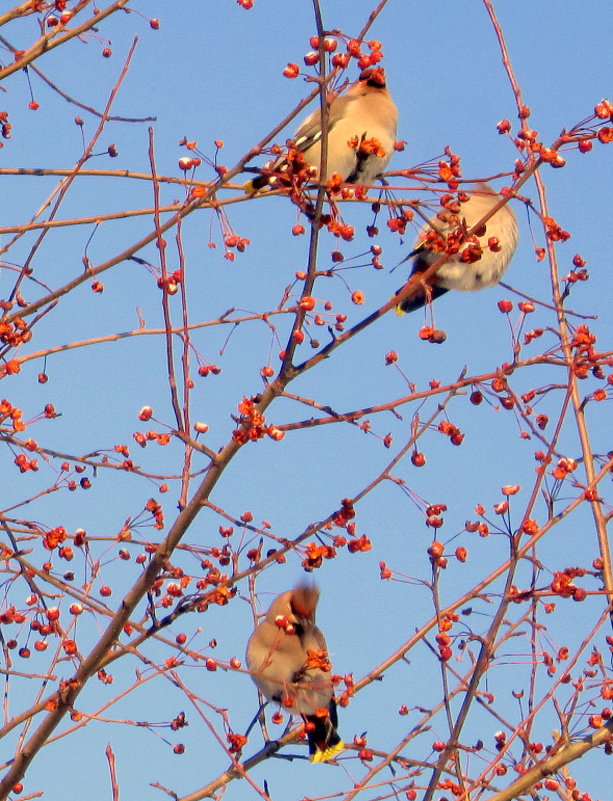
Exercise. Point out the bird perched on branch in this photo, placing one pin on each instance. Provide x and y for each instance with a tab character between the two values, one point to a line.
473	262
361	138
288	660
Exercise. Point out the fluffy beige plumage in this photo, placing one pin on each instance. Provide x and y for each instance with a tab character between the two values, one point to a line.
480	260
288	660
361	135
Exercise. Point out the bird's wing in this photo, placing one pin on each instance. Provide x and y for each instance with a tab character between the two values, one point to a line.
310	131
318	638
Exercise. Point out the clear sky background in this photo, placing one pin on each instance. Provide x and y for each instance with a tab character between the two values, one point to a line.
213	71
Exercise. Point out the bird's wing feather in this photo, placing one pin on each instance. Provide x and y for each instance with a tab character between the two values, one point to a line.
310	131
319	639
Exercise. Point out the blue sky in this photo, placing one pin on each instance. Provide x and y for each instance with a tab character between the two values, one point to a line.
214	71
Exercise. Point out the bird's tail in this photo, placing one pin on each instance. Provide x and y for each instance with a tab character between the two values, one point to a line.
427	296
427	291
256	185
324	740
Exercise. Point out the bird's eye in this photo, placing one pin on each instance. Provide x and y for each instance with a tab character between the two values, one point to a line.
299	629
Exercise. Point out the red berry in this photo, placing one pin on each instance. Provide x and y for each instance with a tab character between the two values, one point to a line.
418	459
445	653
291	71
461	553
436	549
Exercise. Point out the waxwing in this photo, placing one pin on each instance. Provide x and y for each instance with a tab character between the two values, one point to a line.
480	260
361	135
288	660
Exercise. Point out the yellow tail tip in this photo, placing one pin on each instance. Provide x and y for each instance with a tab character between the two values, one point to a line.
249	188
328	753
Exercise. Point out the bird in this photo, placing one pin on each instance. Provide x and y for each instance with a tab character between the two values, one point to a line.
473	262
288	661
361	137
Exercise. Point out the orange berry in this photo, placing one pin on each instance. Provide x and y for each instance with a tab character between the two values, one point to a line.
436	549
307	303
